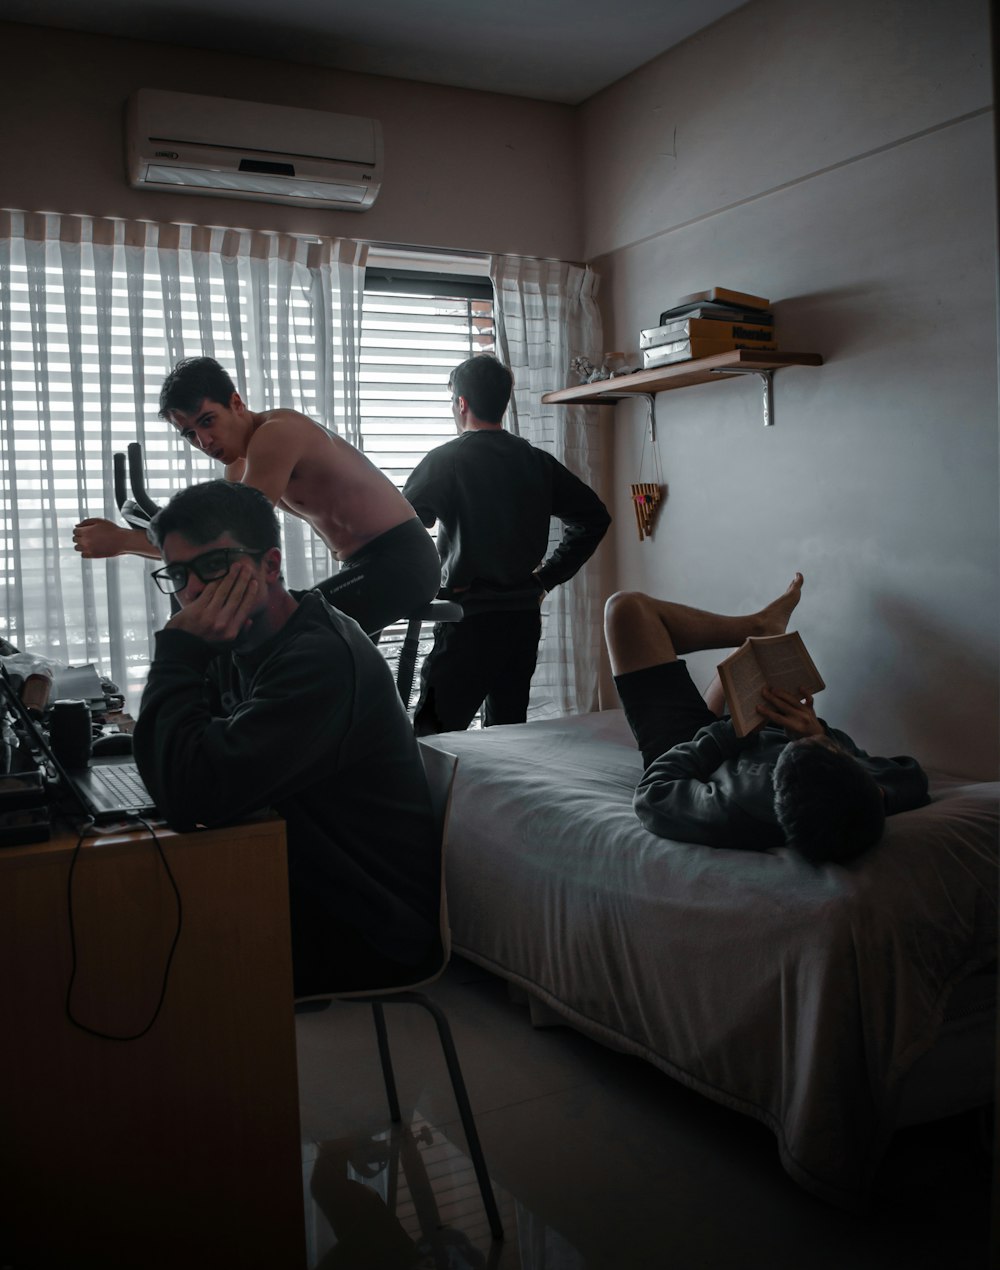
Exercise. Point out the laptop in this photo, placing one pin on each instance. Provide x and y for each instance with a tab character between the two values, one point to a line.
79	683
109	789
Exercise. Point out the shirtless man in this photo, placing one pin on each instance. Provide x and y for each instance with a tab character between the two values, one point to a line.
388	563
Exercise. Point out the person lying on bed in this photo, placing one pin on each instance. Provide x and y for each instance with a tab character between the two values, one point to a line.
389	566
255	700
795	781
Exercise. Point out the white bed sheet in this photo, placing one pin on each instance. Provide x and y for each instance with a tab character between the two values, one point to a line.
795	994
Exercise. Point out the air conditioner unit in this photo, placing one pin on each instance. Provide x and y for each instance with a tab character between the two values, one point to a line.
240	149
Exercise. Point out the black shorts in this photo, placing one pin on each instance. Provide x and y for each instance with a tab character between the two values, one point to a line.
663	707
387	579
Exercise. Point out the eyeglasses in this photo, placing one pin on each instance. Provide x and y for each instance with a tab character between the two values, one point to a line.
209	568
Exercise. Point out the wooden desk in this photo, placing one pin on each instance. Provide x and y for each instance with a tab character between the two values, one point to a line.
181	1148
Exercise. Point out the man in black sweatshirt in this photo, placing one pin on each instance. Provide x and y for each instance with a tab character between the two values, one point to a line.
795	781
254	701
493	495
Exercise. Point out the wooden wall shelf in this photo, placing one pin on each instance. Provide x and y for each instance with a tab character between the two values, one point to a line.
680	375
702	370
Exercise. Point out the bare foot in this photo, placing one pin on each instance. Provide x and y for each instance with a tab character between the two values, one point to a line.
773	619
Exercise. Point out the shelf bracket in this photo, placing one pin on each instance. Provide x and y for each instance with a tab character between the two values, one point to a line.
650	400
767	382
613	398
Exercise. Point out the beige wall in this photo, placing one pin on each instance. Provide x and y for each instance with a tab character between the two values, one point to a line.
468	170
837	158
768	97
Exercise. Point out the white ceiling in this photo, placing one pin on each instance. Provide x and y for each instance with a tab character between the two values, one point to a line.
555	50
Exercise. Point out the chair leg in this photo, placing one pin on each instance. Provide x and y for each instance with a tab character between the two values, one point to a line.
386	1059
392	1169
464	1106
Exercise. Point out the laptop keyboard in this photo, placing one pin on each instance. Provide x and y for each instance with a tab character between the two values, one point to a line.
124	783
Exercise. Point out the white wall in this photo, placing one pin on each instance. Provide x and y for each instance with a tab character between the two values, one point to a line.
467	170
836	157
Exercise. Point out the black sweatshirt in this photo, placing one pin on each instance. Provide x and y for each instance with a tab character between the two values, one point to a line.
311	725
493	495
716	789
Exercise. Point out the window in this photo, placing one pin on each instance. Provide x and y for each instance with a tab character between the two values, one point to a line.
84	338
417	326
94	313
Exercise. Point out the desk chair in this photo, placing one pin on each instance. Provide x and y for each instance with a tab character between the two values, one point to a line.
440	768
435	611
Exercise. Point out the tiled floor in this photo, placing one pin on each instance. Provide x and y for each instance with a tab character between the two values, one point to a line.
599	1162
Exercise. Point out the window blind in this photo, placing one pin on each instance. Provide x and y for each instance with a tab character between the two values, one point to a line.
94	313
415	330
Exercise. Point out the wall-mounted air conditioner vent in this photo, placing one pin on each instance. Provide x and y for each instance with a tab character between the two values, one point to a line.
239	149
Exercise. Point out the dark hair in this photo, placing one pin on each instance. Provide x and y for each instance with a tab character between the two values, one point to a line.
191	381
206	511
485	384
827	803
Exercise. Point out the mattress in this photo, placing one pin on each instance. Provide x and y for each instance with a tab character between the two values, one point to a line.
803	996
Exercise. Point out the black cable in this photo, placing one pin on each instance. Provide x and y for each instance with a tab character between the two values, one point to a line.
110	1036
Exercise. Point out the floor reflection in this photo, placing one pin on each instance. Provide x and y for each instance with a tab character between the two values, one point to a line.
407	1199
603	1162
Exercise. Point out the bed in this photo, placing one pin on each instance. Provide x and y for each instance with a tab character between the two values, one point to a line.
833	1004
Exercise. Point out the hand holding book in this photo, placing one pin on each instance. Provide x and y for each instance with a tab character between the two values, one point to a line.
792	711
778	662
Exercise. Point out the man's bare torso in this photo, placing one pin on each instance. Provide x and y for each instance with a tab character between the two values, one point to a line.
332	485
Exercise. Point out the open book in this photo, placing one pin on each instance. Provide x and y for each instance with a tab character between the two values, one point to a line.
780	661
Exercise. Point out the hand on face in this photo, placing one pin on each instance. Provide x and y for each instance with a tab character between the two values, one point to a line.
220	613
793	713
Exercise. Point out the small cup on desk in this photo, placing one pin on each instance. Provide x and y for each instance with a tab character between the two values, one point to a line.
71	732
35	693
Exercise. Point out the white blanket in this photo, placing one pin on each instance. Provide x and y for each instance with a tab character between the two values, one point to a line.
798	995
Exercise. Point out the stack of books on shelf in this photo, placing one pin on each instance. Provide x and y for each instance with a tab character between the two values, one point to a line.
714	321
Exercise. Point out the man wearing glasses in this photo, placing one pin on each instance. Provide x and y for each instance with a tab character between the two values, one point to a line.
257	700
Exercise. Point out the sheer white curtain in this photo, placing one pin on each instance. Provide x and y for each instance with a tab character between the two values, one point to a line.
546	314
93	314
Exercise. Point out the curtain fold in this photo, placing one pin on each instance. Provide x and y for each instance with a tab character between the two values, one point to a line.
93	314
546	314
